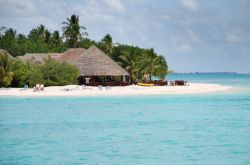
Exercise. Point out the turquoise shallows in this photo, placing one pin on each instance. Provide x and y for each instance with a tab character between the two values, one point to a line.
158	129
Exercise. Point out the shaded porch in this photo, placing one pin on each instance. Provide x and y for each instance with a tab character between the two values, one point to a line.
104	80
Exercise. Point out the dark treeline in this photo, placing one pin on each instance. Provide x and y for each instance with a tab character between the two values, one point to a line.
137	61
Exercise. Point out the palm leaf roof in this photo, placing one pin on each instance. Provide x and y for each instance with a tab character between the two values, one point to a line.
94	62
90	62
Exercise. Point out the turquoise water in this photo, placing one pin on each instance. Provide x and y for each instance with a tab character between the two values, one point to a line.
238	80
159	129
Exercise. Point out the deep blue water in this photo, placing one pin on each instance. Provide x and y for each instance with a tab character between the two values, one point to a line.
159	129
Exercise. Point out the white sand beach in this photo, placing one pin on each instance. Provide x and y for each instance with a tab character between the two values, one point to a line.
76	90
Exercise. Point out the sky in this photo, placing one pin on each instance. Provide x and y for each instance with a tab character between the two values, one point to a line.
193	35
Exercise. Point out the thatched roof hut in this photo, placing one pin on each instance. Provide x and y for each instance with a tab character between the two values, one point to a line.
9	55
37	57
93	62
70	54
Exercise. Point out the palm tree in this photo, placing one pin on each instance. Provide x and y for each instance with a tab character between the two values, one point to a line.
21	38
38	33
47	36
129	61
72	31
41	30
153	65
6	76
8	40
107	44
10	33
2	30
55	38
161	69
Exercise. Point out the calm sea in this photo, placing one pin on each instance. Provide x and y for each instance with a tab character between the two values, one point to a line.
160	129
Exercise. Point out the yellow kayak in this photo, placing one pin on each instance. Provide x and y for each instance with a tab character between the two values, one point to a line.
145	84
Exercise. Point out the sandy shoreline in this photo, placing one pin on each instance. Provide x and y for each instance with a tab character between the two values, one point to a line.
75	90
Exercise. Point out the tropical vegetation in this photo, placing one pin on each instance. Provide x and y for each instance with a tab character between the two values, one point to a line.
137	61
72	31
6	74
106	44
51	73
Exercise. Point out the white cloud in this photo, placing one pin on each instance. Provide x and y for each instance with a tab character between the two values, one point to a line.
165	17
14	8
232	38
194	38
184	47
190	4
20	4
115	5
92	6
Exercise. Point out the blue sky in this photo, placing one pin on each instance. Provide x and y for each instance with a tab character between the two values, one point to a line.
193	35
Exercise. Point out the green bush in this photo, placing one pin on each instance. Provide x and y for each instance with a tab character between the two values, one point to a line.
33	76
6	74
49	73
57	73
19	70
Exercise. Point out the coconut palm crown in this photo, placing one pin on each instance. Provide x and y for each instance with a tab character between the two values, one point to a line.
72	31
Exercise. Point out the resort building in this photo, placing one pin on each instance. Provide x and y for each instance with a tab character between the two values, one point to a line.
94	65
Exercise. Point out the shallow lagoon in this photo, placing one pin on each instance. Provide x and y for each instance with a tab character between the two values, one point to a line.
158	129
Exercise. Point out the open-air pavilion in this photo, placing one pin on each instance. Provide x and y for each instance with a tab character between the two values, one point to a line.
96	68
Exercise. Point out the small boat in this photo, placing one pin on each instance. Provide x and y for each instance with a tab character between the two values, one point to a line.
145	84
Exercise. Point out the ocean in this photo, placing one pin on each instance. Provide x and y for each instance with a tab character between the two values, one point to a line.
158	129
